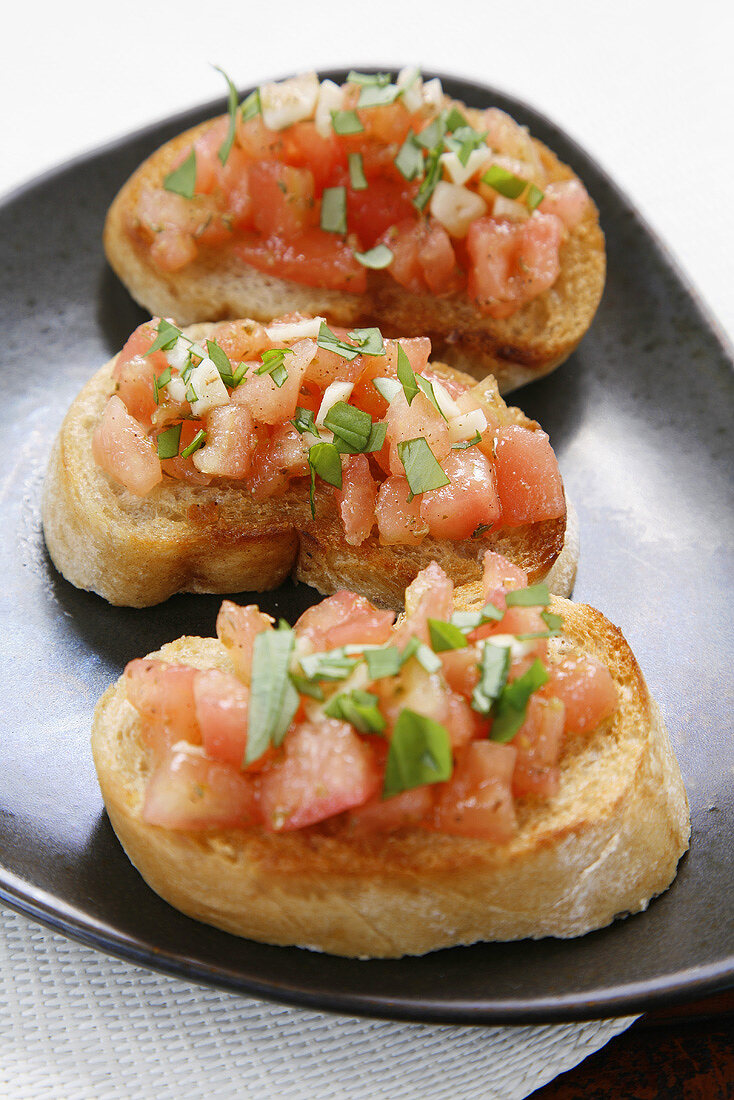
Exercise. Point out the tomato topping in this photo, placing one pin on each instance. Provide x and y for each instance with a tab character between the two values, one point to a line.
477	800
399	519
402	811
187	790
344	619
538	743
282	199
528	479
315	258
122	449
237	628
164	697
325	769
357	499
469	501
586	689
230	442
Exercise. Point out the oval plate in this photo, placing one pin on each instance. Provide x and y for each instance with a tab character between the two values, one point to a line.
640	420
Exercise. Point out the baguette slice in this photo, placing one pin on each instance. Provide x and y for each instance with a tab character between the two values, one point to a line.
181	537
218	285
602	847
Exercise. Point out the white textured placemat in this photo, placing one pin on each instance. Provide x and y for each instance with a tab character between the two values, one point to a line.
77	1025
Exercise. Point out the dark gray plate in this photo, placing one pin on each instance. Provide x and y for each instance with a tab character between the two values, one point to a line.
641	420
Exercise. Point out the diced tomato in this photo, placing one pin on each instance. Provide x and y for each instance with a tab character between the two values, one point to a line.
538	743
163	696
429	596
271	404
278	457
135	388
187	790
257	142
237	628
500	576
282	199
325	769
122	449
586	689
206	150
327	367
419	419
529	482
460	721
512	262
461	669
173	249
137	345
469	501
315	258
372	211
222	707
242	339
518	620
567	199
234	181
404	811
356	500
305	147
477	800
399	521
424	257
344	619
230	442
414	689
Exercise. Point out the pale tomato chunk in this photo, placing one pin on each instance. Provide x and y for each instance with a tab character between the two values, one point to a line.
343	619
237	628
499	577
404	811
230	442
538	742
122	449
477	800
277	458
586	689
429	596
135	388
420	419
567	199
187	790
468	502
163	696
528	479
512	262
324	770
267	402
357	499
222	706
399	520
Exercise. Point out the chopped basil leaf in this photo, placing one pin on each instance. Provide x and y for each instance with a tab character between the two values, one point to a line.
168	442
464	141
445	636
376	258
421	468
425	657
334	210
536	595
273	698
303	421
380	79
553	622
511	706
377	95
476	438
198	441
428	186
306	687
376	440
332	665
346	122
350	424
250	106
493	668
383	662
327	339
427	388
409	161
272	364
239	374
167	336
368	340
406	375
504	182
324	460
226	146
357	178
221	361
358	707
191	394
420	752
183	179
534	197
480	529
160	381
432	136
470	620
455	120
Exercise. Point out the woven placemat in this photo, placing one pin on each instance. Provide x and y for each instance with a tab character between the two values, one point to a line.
78	1025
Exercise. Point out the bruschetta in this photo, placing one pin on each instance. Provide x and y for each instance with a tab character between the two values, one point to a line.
225	457
378	203
490	767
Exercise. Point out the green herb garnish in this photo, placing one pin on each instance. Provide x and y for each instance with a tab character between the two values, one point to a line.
198	441
511	706
346	122
183	179
160	381
462	446
536	595
493	669
357	178
445	636
421	467
376	258
251	106
333	665
334	210
272	364
534	197
273	698
409	161
423	654
221	361
419	753
427	388
383	662
368	340
167	336
226	146
504	182
349	424
406	375
303	421
328	340
359	708
324	460
168	442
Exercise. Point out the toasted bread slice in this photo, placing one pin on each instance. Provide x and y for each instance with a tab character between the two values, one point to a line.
602	847
218	285
182	537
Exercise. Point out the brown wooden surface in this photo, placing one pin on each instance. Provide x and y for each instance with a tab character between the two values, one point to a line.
684	1053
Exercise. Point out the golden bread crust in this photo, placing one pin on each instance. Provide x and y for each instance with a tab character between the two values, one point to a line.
603	846
218	285
181	537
